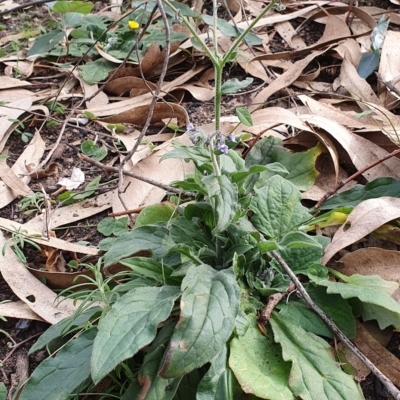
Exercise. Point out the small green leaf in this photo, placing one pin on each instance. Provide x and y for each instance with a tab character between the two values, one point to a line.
3	391
368	63
83	7
257	363
154	238
277	208
130	325
209	306
96	71
224	197
234	85
112	226
244	116
219	381
91	149
46	42
88	115
154	213
314	373
56	378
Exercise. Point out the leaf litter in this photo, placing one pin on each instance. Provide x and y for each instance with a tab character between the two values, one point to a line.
348	115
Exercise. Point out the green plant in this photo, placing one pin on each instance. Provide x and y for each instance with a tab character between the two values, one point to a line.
31	203
191	319
21	130
19	238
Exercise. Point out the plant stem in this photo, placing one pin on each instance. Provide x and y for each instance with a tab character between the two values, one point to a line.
383	378
217	98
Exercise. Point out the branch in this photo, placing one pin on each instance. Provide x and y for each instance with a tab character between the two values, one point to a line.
391	388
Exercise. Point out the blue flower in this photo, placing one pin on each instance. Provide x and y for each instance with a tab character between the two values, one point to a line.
222	147
232	137
190	127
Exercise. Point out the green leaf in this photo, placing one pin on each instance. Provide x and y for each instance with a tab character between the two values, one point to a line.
219	381
91	149
244	116
154	387
130	325
372	190
89	189
66	325
223	197
234	85
314	373
154	213
82	7
209	305
229	30
368	63
154	238
112	226
188	387
47	42
373	292
96	71
378	33
277	208
261	153
3	391
72	20
56	378
257	364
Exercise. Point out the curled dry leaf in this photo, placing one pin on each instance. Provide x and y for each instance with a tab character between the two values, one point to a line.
18	309
364	219
50	170
373	261
136	86
138	115
13	182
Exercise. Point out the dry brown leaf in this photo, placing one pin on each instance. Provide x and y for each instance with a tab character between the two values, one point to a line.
18	309
121	86
40	299
138	193
126	105
101	99
12	181
138	115
72	213
389	69
232	5
11	83
335	28
285	80
350	49
354	84
55	261
289	35
364	219
380	339
198	92
32	154
50	170
361	151
373	261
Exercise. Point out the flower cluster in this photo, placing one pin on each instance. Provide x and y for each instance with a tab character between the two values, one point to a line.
133	25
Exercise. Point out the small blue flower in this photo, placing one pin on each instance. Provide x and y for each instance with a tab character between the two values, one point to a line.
190	127
222	147
232	137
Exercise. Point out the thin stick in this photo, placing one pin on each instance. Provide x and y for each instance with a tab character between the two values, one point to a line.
108	168
357	174
391	388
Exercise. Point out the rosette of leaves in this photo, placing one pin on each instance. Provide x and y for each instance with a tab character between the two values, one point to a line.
185	324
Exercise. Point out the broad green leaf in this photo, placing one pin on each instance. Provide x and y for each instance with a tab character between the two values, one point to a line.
368	63
209	305
379	187
261	153
257	364
372	291
96	71
130	325
314	374
277	208
378	33
188	387
154	238
199	155
301	166
3	391
223	197
244	116
154	387
219	381
234	85
66	325
72	19
154	213
62	7
294	240
113	226
56	378
47	42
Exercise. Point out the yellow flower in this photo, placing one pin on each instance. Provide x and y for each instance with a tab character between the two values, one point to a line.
133	25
